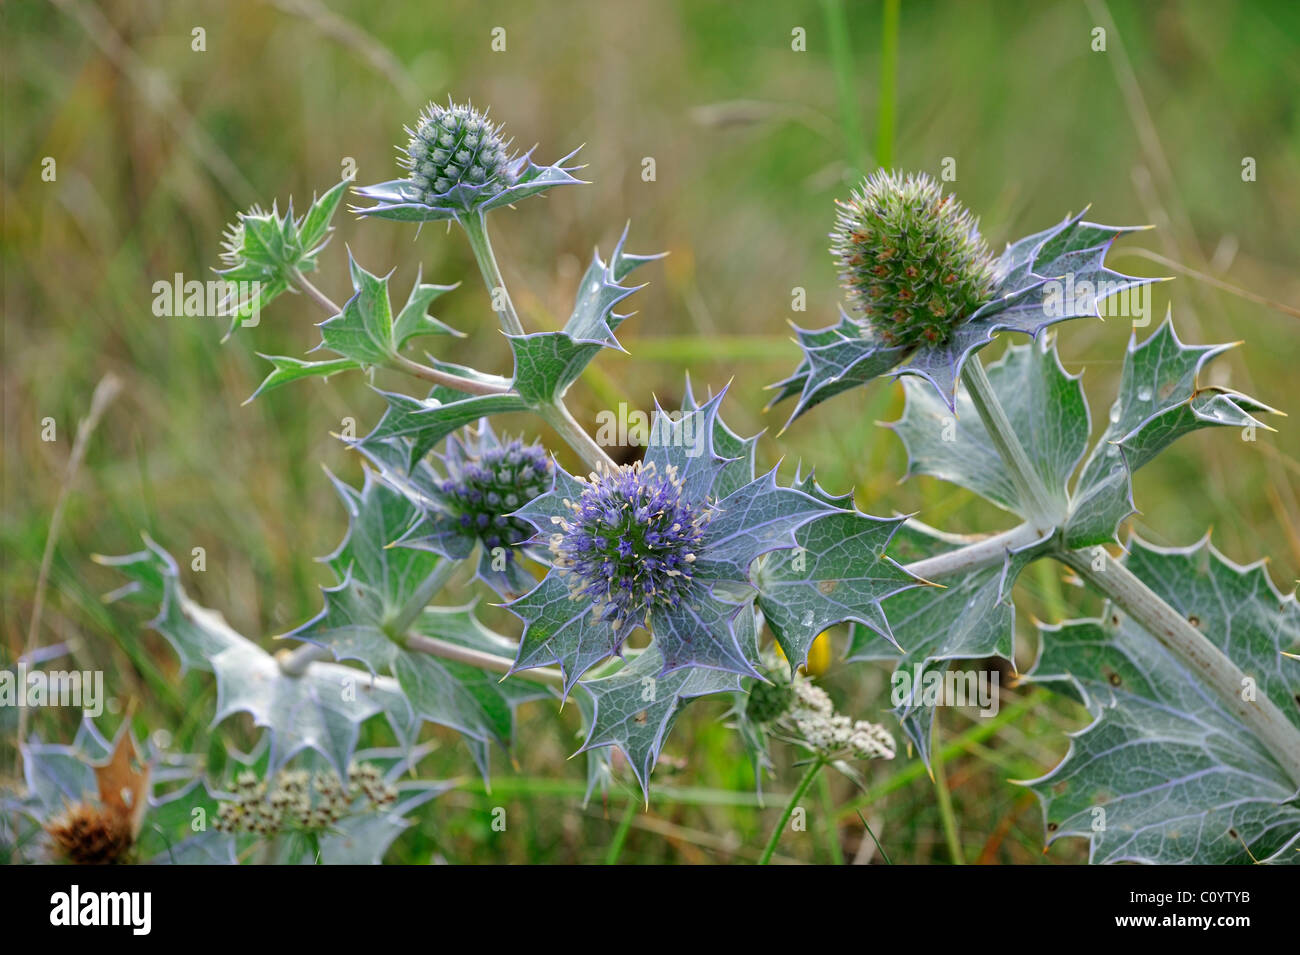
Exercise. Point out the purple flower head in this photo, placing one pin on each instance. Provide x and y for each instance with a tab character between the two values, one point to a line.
666	545
480	492
469	502
629	543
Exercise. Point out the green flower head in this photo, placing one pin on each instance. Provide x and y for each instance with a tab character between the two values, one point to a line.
924	294
911	258
457	164
453	146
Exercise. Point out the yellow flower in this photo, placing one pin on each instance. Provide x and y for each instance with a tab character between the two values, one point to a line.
819	655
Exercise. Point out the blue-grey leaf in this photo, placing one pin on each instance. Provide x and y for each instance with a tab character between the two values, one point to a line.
1160	399
1047	411
970	618
1165	773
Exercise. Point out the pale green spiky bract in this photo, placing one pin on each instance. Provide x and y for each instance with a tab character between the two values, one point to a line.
456	144
911	258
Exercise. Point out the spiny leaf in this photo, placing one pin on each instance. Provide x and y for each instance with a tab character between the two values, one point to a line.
367	332
1160	400
379	580
315	225
835	359
635	708
970	618
400	201
837	572
684	444
321	710
363	331
1165	773
737	451
593	318
701	633
291	369
562	631
422	423
1047	411
414	319
547	363
758	518
1034	277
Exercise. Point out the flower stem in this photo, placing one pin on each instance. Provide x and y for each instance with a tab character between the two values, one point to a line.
439	377
1033	494
479	658
1177	635
315	294
575	436
475	226
415	604
814	768
983	552
296	662
555	413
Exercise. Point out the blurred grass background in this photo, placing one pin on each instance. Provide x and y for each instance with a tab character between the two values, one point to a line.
157	146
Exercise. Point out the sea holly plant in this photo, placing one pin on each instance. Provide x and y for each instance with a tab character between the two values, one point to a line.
1194	752
483	571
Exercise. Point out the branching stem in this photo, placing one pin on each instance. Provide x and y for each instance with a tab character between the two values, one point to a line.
401	362
315	294
576	436
479	658
556	414
1033	494
980	553
1127	591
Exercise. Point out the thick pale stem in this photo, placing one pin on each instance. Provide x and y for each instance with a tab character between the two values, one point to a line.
439	377
475	226
576	436
981	553
480	659
414	606
296	663
1177	634
1032	492
315	294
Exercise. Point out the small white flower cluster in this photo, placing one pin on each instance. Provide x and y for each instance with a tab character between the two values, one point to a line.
289	804
813	720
